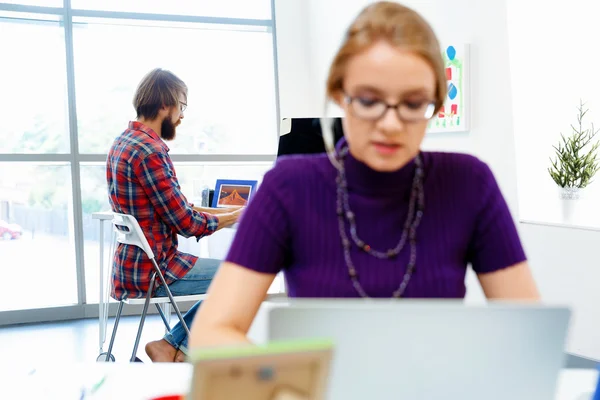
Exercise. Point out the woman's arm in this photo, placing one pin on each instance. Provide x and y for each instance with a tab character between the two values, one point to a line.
512	283
495	250
260	250
233	300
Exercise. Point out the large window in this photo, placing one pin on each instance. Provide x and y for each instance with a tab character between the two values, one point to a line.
68	74
252	9
33	83
46	3
37	250
228	69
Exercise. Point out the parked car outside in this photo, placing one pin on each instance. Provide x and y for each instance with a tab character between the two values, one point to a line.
10	231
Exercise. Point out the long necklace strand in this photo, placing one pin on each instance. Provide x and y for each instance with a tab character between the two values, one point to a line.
413	219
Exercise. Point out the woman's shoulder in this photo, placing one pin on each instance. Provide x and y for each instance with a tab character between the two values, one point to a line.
452	159
461	167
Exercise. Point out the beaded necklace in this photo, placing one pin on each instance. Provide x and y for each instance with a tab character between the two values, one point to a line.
413	218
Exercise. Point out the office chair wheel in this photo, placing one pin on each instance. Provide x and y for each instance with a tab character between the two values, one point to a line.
102	357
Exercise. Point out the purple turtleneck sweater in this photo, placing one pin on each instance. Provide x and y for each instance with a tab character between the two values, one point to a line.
291	225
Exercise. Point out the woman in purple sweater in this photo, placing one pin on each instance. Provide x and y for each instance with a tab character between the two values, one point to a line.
376	217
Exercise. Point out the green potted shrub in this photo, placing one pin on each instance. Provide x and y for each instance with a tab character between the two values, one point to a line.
575	159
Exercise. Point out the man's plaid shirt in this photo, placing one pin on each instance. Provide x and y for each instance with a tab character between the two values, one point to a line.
142	182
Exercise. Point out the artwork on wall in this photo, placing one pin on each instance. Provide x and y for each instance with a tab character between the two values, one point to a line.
454	115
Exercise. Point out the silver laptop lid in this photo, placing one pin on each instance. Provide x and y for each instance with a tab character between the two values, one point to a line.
432	349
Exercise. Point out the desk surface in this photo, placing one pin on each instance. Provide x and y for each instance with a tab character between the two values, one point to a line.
145	381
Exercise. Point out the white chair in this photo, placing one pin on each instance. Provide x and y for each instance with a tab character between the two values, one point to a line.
127	231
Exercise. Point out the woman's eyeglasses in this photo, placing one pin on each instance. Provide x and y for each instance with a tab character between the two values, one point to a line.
407	111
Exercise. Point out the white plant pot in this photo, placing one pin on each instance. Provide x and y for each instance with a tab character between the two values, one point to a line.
569	193
569	198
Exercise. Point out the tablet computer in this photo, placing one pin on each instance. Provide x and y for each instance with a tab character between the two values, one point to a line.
288	370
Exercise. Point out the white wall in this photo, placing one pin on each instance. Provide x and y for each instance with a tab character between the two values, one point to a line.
483	25
296	80
567	272
553	67
553	64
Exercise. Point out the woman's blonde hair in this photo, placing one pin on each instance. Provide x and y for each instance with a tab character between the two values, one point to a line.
398	25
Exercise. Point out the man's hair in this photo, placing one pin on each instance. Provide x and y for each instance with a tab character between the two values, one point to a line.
157	89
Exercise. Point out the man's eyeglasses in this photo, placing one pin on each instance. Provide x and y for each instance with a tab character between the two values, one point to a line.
182	106
407	111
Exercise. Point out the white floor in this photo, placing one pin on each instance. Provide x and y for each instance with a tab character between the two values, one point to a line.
74	341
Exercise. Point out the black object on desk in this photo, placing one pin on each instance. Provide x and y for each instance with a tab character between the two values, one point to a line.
211	196
306	136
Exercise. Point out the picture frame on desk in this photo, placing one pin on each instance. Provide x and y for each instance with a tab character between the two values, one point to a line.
284	370
233	193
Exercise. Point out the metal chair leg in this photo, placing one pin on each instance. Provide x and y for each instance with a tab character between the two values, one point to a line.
171	299
114	332
166	307
162	315
143	319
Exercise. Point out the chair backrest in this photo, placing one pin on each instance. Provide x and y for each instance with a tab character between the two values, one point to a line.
128	231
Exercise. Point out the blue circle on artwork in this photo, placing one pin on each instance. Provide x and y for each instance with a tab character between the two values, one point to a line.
452	91
451	52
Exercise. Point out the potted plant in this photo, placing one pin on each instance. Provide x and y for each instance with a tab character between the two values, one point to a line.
576	158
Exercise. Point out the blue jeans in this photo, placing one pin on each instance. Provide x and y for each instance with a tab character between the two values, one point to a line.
196	281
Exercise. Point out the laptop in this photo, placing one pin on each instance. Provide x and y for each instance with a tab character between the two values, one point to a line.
432	349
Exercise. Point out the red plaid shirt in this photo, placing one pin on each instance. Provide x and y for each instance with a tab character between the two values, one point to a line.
142	182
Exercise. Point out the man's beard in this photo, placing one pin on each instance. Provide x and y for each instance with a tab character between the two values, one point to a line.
168	128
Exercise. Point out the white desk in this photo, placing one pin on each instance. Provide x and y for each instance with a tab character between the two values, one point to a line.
144	381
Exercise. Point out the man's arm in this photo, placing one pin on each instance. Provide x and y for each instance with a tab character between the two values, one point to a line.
227	215
216	211
227	219
162	188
